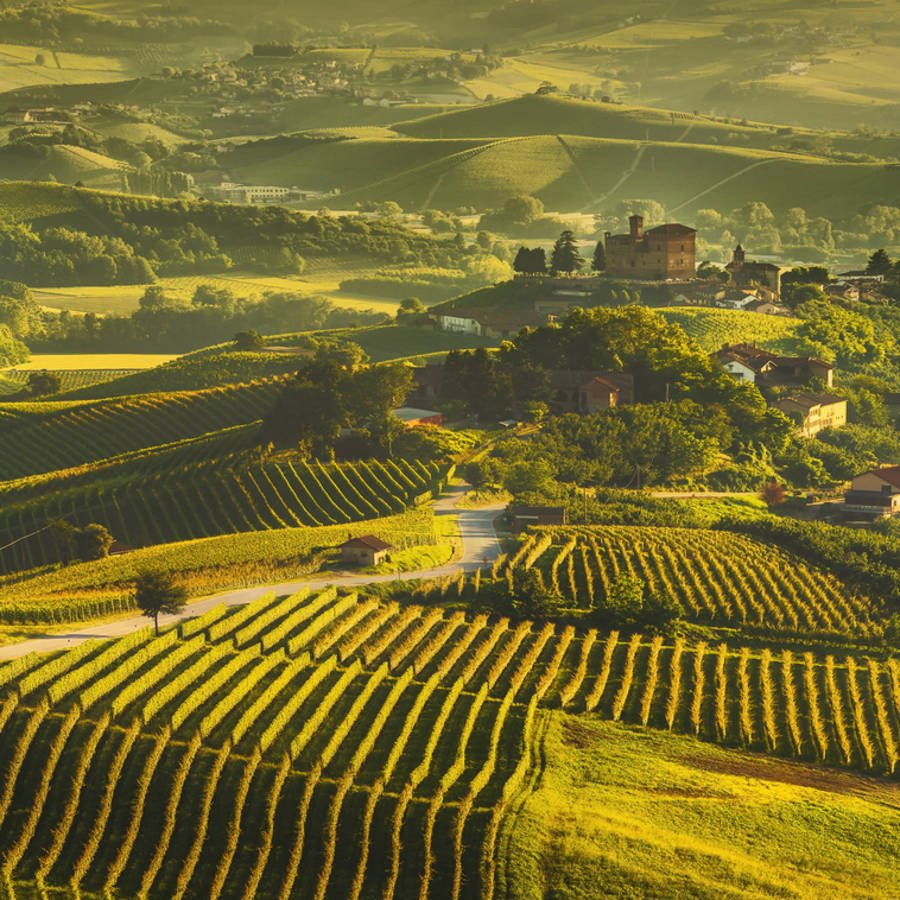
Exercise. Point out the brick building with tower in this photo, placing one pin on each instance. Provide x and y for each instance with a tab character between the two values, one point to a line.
666	252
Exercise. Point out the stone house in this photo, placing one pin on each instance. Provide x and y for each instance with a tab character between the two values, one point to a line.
366	550
749	363
747	274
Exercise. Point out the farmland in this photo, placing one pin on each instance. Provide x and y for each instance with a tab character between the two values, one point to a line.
253	748
188	495
711	328
41	437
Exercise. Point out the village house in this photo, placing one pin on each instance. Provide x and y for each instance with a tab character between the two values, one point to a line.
522	516
749	274
813	412
874	494
749	363
366	550
585	392
666	252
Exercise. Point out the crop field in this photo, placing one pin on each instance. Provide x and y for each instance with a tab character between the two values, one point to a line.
711	328
73	362
42	437
70	379
19	69
145	503
714	576
327	746
105	587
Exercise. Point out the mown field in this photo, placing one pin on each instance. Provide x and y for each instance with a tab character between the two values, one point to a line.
331	746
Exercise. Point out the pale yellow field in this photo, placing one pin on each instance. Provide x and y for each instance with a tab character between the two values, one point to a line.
122	300
68	361
18	67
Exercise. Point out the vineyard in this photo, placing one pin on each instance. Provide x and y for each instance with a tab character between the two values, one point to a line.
330	746
42	437
147	504
69	379
714	576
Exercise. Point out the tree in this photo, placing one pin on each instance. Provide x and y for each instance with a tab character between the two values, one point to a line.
773	494
598	263
565	256
40	384
157	592
92	542
62	536
247	340
477	473
879	263
410	309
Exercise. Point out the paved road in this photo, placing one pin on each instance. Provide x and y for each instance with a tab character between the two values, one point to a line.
479	544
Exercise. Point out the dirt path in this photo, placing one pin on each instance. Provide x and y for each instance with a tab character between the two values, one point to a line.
479	546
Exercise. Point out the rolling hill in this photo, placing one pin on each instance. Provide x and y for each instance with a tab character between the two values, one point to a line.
567	171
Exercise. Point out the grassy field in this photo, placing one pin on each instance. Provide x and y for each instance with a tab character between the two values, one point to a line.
19	69
650	814
72	361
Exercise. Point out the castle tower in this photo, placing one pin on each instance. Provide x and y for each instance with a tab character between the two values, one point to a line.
637	227
737	258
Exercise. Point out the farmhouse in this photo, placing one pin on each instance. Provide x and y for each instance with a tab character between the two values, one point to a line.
874	494
366	550
664	252
749	363
579	391
751	274
814	412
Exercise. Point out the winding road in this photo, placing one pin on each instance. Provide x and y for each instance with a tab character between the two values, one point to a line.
479	546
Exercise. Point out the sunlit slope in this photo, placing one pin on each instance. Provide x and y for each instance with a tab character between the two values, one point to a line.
582	173
549	114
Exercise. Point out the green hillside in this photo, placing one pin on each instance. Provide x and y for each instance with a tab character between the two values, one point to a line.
42	437
324	745
567	171
711	328
63	163
535	114
183	493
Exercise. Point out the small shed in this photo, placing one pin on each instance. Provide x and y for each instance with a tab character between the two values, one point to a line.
366	550
522	516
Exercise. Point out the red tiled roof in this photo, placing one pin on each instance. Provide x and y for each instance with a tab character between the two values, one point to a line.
890	474
368	542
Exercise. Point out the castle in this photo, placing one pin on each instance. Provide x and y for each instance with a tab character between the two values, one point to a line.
658	254
746	274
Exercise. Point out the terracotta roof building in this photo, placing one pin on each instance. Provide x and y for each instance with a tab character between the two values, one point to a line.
815	411
747	274
366	550
874	494
749	363
585	391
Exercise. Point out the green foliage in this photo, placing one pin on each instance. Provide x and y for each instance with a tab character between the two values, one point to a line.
157	592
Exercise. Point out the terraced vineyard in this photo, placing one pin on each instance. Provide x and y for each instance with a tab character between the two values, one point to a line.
177	496
42	437
326	746
715	576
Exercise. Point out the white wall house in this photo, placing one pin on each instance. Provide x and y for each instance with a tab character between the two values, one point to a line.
740	371
460	324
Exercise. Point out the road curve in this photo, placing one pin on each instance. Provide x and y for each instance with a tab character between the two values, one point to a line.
479	546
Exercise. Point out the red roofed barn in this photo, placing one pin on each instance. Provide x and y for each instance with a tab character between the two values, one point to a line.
366	550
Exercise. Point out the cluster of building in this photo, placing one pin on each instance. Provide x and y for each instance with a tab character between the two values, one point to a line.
263	194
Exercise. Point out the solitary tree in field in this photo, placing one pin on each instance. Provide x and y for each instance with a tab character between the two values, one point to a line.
157	592
565	256
92	542
598	263
40	384
248	340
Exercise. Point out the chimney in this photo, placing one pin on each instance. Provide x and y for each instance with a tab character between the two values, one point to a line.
637	227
